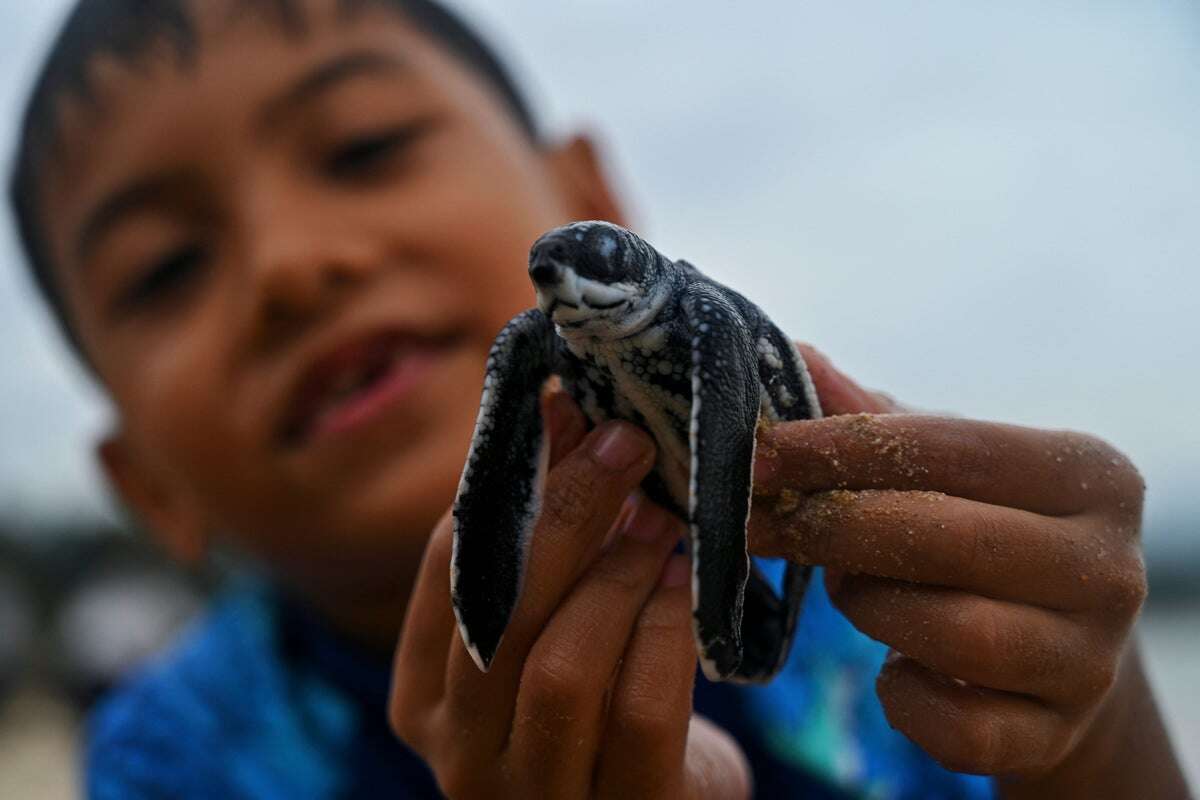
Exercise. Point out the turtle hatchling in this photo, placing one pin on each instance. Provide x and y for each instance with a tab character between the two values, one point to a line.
634	335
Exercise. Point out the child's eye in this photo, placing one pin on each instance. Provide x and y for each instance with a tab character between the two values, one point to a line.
165	276
362	156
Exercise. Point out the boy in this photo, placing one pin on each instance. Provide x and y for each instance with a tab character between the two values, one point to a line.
283	234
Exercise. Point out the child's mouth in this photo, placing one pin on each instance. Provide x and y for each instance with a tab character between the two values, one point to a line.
354	384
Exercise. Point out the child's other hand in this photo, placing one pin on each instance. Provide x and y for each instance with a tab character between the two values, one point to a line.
590	693
1001	564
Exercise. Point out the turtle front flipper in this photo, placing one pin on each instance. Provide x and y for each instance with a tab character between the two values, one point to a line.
726	399
770	620
499	495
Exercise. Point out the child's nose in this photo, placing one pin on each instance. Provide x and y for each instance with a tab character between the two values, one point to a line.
300	269
296	283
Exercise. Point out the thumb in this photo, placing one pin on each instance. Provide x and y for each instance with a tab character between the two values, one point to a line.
838	393
715	764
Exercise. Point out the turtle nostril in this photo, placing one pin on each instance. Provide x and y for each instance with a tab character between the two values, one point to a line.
544	273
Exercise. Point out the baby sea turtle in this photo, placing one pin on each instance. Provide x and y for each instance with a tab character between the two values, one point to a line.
636	336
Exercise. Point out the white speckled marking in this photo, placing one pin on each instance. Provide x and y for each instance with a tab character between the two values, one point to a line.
769	354
608	246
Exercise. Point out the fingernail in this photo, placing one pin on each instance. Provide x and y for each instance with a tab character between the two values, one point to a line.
646	524
677	572
621	522
812	354
631	504
619	445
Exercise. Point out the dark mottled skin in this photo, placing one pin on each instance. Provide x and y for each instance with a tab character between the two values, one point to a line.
636	336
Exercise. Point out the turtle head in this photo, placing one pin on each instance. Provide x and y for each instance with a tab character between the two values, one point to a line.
598	280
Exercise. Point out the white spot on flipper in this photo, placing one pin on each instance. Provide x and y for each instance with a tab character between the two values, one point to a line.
769	353
653	339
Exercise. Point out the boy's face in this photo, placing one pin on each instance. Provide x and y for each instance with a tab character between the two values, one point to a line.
287	262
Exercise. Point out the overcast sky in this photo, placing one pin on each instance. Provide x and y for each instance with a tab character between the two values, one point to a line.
981	207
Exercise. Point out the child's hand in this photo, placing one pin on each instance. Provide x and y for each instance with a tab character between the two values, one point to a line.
1001	564
590	693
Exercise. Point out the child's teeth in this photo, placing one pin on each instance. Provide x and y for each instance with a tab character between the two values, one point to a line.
354	378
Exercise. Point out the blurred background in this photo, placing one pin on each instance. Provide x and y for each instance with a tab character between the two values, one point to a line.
990	209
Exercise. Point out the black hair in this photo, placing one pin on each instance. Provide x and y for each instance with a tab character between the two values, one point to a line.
126	30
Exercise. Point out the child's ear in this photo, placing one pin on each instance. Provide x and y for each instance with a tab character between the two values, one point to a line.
170	513
580	172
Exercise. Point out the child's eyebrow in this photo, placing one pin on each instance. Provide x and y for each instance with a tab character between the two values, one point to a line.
147	192
327	75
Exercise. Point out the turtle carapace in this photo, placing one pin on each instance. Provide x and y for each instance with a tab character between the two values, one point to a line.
634	335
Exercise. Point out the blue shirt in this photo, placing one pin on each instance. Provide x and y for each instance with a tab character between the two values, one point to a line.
260	700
